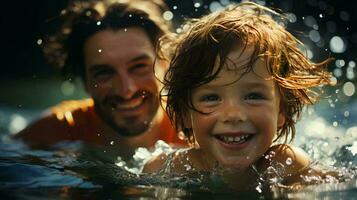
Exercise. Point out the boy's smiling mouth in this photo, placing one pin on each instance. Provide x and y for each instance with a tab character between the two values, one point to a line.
235	141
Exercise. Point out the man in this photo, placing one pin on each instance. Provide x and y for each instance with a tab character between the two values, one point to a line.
111	46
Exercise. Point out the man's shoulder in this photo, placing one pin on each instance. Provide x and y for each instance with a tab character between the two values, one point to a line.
64	121
71	111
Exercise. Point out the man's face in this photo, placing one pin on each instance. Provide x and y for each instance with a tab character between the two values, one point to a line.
120	79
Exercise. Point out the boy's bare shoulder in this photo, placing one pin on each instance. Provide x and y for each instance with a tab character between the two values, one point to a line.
293	158
155	164
174	162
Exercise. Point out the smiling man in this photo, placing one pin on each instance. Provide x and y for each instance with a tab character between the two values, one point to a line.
111	46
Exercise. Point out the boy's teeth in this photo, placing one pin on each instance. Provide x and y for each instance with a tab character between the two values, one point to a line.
130	104
234	139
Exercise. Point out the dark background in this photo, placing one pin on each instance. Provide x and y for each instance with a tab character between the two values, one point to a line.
27	80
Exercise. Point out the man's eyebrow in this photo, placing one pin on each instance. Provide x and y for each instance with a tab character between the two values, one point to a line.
140	57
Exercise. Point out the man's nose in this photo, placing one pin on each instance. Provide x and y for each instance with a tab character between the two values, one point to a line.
233	112
124	86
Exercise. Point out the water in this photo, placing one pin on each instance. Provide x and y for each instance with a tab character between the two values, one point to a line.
76	171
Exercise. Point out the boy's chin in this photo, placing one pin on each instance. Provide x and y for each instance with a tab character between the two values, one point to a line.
235	163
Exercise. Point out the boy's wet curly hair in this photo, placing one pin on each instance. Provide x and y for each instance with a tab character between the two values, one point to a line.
194	52
84	18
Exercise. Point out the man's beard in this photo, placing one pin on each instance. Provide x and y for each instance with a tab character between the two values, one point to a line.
130	129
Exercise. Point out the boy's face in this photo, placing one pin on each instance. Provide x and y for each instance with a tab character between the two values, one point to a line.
120	78
244	112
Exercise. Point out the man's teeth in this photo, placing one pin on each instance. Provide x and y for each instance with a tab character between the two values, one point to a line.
129	104
233	139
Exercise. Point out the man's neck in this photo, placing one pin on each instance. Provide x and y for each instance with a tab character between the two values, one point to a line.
126	146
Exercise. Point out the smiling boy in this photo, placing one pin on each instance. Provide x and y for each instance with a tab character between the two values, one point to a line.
236	86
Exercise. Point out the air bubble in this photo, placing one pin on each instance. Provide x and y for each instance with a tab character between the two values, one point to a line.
289	161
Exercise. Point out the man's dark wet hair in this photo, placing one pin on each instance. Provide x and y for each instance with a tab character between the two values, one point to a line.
82	19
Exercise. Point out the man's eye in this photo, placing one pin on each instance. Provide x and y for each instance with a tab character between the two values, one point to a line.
140	67
210	98
102	73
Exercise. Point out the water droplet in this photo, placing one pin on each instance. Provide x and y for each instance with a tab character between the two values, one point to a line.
98	134
168	15
346	113
314	36
99	23
88	13
188	167
39	41
292	17
348	89
333	81
247	157
345	16
215	6
259	188
99	50
321	15
95	85
337	44
130	15
289	161
125	29
197	5
112	142
352	64
174	7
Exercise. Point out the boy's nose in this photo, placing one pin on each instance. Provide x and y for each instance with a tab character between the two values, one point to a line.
233	112
124	86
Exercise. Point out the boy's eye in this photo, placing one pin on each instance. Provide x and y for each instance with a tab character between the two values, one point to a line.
210	98
254	96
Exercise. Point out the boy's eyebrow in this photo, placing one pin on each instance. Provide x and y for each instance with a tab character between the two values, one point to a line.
257	84
250	84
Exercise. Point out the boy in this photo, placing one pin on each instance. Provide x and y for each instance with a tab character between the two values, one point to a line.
237	84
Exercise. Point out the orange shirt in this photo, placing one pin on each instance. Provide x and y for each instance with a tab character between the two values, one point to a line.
77	121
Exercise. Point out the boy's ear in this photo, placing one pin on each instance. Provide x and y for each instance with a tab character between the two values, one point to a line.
281	119
187	120
281	116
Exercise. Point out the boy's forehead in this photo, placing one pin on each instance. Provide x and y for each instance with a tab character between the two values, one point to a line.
240	58
240	61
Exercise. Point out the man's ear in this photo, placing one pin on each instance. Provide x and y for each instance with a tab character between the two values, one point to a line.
85	85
